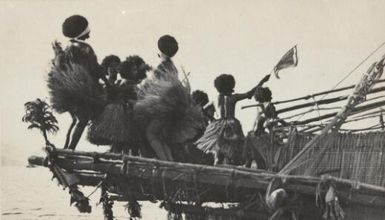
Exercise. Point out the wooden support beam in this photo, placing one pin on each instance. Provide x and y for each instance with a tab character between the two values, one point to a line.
225	184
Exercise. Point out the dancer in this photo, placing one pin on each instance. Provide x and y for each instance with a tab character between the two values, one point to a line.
165	109
224	137
115	124
260	141
266	113
201	98
74	79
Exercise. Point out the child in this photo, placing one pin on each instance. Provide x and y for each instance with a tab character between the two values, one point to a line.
267	116
224	137
191	153
115	124
110	67
260	141
202	99
74	79
209	112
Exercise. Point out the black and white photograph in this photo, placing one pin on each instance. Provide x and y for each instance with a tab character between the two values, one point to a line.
192	110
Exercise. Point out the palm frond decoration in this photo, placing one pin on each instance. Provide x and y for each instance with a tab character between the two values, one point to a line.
38	113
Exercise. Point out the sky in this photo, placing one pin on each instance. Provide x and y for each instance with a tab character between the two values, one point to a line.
245	38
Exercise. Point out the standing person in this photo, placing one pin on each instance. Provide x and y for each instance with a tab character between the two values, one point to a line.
209	112
224	137
190	153
74	78
115	124
266	112
165	109
262	142
201	98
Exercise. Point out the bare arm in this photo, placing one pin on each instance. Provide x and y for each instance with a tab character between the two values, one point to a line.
249	94
265	79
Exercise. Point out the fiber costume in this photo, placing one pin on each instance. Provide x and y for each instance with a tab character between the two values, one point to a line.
114	123
73	79
170	103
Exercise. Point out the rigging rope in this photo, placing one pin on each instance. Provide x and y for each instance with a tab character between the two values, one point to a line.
355	68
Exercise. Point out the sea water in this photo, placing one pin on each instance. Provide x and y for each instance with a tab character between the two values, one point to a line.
29	193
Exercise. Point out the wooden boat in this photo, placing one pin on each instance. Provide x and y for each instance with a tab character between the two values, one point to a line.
325	171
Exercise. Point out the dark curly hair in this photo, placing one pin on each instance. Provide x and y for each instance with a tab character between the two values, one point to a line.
262	94
200	98
168	45
74	25
225	84
108	60
125	68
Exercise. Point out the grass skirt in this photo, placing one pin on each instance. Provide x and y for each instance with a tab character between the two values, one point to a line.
223	136
171	103
72	89
113	125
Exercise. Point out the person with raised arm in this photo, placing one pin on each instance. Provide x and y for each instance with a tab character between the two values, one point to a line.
224	137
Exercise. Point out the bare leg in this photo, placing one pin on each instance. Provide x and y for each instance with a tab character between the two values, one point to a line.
78	133
68	137
153	135
248	163
220	158
159	149
216	159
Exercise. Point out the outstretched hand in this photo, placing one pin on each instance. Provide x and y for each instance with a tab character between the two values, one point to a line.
266	78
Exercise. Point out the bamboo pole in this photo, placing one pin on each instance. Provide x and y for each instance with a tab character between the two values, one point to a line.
119	157
308	111
310	96
372	128
362	118
373	113
357	110
324	101
310	104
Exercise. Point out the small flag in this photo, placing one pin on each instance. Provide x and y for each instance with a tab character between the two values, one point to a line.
288	60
